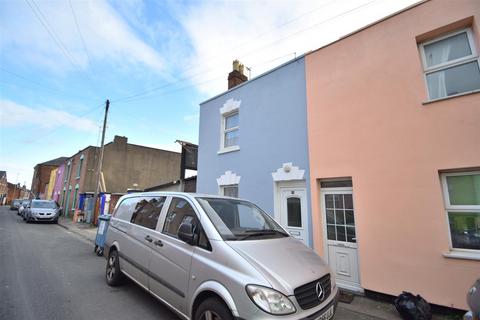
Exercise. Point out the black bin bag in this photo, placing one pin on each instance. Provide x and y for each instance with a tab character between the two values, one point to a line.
413	307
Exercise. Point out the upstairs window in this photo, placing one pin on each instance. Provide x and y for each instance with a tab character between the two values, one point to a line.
451	64
231	130
79	167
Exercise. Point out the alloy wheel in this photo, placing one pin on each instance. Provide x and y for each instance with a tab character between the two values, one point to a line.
111	268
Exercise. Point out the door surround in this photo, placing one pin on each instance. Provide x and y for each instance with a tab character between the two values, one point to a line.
339	190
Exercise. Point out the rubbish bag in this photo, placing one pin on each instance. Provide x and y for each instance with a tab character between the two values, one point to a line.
413	307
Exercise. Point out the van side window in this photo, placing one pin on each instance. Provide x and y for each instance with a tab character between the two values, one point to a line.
203	241
180	211
147	211
125	209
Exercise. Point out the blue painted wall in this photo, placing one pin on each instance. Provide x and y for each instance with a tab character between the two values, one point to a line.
273	130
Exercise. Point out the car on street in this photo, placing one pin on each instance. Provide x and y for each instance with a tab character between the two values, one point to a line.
22	206
41	210
216	258
15	204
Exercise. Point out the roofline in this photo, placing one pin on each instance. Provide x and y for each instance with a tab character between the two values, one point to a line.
139	145
168	184
255	78
419	3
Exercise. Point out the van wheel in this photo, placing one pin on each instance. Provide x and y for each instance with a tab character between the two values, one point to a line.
113	275
213	309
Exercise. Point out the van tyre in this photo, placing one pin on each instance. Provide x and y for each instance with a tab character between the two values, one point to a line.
213	309
113	275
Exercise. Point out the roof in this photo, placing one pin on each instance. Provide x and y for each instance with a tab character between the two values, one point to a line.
54	162
168	184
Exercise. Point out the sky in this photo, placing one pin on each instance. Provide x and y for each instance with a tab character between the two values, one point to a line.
154	60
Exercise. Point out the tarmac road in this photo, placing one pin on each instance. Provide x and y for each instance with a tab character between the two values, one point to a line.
48	272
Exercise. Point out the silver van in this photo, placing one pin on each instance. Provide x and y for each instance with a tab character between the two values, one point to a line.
209	258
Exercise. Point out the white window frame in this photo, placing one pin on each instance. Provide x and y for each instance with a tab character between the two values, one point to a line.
470	253
224	131
449	64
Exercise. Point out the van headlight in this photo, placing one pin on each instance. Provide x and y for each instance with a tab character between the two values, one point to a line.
269	300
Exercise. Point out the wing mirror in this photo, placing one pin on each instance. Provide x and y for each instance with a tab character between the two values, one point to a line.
186	233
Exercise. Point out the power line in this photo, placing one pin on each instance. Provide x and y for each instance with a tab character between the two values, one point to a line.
308	28
43	20
80	32
218	55
43	85
148	91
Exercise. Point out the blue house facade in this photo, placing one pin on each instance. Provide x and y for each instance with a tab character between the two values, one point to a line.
253	145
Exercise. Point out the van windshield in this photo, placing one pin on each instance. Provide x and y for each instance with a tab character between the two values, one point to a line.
240	220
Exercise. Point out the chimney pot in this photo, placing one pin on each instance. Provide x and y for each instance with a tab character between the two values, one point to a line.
236	77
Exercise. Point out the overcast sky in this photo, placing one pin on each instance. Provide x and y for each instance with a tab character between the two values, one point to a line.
155	60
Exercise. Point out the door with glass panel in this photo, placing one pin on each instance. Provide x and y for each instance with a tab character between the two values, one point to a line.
293	212
339	218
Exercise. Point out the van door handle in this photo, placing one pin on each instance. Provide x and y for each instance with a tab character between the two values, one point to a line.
158	243
148	238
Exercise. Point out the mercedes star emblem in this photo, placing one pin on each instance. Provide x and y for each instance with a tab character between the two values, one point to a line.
319	290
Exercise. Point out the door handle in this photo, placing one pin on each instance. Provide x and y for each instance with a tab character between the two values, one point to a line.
148	238
158	243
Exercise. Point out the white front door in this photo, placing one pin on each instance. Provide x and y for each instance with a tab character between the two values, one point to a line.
339	218
293	210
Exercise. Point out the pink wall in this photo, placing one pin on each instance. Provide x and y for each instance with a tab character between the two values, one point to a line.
366	120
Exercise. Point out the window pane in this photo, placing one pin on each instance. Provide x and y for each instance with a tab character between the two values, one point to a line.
329	201
294	212
231	121
341	236
351	234
231	191
465	229
448	49
339	201
179	212
348	201
349	218
147	212
330	217
331	233
339	217
231	138
335	183
125	209
454	80
464	190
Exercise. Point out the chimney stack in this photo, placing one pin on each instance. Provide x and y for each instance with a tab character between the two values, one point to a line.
236	77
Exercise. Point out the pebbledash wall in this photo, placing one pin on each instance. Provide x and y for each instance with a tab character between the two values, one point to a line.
370	120
272	132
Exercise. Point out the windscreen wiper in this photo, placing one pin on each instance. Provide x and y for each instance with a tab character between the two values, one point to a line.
260	232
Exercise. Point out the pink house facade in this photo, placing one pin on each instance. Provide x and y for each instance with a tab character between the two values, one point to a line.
394	153
58	186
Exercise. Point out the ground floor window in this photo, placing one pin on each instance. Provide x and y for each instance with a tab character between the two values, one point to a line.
462	204
230	190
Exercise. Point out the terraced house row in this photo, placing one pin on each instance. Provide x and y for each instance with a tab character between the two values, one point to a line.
367	149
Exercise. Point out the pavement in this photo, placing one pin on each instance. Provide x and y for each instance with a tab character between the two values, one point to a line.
51	272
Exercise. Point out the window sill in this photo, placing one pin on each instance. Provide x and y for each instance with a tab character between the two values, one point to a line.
451	97
229	149
462	255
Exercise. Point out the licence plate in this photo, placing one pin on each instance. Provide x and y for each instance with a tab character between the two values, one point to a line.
327	314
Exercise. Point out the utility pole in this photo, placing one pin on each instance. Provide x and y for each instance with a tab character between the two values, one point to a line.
99	166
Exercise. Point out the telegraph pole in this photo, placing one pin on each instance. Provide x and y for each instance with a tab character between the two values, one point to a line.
99	166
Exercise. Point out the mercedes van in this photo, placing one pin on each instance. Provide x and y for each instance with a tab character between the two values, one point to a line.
216	258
